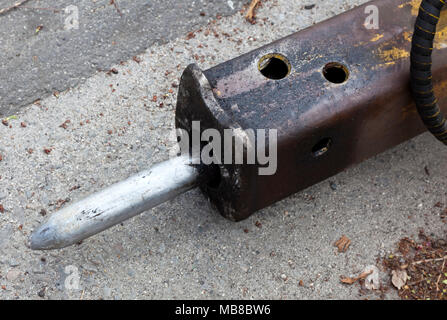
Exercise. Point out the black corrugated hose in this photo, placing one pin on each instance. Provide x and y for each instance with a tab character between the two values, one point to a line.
421	62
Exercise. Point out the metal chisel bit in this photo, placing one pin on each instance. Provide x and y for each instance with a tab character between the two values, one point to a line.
115	204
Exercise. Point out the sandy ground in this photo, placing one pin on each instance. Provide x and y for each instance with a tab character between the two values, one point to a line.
63	42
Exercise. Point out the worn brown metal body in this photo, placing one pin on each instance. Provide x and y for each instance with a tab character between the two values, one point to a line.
367	114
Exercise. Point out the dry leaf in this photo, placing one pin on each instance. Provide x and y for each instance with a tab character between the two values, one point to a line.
15	5
250	16
348	280
372	281
343	244
399	278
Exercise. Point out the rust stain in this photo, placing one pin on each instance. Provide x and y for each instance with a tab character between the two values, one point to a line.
390	56
390	52
408	35
377	37
440	88
414	4
441	38
441	34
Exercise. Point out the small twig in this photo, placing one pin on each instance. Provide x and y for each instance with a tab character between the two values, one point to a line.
415	282
55	10
14	6
116	7
343	243
348	280
430	260
250	15
440	274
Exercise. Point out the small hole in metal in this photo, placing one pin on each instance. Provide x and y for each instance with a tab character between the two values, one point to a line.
274	66
336	72
322	147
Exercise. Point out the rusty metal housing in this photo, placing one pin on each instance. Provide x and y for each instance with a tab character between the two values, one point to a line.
337	92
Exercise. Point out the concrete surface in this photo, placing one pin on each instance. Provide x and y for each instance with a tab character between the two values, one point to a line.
184	249
71	45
